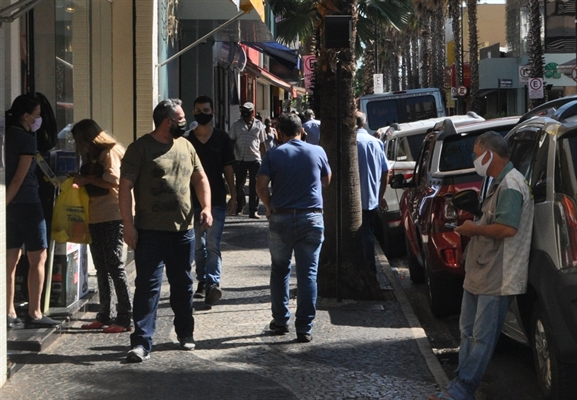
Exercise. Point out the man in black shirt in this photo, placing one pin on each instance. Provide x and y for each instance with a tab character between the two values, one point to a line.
215	150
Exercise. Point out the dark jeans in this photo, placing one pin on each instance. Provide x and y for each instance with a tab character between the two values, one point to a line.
154	250
241	170
368	232
106	249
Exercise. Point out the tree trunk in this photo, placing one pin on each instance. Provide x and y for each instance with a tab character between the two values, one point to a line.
473	56
536	58
353	279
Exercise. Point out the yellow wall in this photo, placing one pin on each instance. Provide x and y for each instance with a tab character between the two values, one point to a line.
490	26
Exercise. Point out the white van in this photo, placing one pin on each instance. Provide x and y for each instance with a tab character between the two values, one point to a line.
404	106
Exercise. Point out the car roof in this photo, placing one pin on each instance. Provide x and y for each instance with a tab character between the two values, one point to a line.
446	130
422	126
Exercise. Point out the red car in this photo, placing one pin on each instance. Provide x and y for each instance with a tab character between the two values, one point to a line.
443	168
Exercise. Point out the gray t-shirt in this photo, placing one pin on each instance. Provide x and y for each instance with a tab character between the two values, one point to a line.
161	175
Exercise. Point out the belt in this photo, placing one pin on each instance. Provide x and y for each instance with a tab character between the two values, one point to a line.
297	210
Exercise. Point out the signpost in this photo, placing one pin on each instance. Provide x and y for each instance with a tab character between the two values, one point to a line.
524	74
309	71
536	88
377	83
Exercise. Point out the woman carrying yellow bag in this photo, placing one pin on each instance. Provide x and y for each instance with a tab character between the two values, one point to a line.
100	174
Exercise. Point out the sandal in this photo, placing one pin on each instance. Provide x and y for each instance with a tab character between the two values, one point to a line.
93	325
441	396
117	329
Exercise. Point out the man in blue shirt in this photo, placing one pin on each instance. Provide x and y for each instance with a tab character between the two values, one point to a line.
373	173
298	171
312	127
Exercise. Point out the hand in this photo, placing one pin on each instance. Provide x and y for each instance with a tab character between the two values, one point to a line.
130	236
468	228
383	206
80	180
205	218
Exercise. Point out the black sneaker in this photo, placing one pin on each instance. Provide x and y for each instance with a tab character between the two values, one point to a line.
278	329
213	294
304	337
186	343
43	322
200	291
13	322
137	355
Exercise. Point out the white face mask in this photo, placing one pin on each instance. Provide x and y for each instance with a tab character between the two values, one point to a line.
479	166
36	124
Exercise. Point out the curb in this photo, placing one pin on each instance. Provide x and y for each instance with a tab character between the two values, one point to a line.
416	329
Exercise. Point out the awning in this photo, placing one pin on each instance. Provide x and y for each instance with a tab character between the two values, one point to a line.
14	11
263	74
284	55
485	92
230	21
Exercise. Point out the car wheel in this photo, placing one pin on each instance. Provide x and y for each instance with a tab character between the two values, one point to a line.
444	294
556	379
416	271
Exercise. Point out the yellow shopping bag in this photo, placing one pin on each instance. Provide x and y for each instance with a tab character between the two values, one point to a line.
70	217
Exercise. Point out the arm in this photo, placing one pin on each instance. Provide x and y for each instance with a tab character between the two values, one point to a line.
24	163
384	182
125	205
261	186
229	178
82	180
326	180
496	230
202	188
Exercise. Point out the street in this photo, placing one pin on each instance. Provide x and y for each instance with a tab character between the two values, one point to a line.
511	373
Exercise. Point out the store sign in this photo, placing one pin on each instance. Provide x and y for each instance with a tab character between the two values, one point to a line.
505	83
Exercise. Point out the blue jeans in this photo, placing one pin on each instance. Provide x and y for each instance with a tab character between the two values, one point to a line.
154	250
207	253
481	321
304	234
368	237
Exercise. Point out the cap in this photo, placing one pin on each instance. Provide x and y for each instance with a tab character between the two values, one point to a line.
248	106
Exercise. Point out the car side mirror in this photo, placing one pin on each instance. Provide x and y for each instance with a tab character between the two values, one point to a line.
398	181
468	200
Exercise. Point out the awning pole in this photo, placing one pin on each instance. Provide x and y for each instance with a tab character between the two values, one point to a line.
22	5
202	39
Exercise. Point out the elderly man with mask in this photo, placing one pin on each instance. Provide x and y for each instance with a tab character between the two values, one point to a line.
248	136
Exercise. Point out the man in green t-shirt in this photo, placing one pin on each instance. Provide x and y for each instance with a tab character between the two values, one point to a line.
161	169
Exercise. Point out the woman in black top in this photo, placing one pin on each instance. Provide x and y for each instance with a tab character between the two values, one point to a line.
25	224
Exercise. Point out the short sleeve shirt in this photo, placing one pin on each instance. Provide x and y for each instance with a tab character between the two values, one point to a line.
105	208
372	164
19	142
161	174
214	155
247	140
295	170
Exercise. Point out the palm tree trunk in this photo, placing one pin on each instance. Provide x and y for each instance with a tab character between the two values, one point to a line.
342	273
473	55
536	58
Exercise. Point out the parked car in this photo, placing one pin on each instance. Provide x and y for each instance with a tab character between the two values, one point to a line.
444	167
544	149
402	144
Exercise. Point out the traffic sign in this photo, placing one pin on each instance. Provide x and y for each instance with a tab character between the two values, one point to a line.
536	88
524	73
462	91
574	73
377	83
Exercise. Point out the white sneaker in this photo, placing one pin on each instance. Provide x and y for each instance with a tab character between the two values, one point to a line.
137	354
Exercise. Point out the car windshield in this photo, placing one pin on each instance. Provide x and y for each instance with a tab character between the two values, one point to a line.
566	166
457	150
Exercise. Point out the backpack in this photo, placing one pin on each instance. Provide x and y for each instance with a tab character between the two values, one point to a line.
46	135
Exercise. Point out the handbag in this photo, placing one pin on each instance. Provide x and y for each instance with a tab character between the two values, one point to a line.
70	218
95	169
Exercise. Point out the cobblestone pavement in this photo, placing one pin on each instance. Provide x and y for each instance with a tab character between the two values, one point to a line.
360	350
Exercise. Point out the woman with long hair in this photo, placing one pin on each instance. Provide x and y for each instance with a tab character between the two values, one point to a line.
25	223
100	174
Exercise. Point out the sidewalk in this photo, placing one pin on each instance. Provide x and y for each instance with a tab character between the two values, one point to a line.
360	350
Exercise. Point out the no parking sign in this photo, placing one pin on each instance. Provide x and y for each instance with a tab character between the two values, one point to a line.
536	88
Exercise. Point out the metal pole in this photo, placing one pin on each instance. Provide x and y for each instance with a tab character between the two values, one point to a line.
339	180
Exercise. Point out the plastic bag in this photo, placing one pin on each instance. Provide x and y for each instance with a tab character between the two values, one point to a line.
70	218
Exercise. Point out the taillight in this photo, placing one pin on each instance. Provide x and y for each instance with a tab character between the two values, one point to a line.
407	173
450	257
567	218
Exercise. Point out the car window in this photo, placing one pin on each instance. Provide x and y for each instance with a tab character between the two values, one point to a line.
412	146
390	149
382	113
420	107
420	167
566	166
456	153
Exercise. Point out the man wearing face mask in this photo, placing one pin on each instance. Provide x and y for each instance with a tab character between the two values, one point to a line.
214	148
161	169
248	136
496	264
